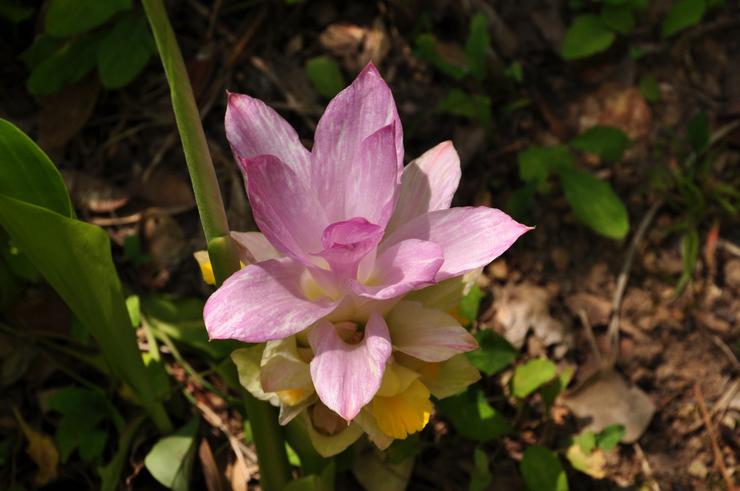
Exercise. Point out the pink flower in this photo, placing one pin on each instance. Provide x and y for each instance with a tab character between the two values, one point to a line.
347	232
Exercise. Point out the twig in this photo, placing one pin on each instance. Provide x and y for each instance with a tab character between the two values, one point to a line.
646	468
591	338
718	459
729	247
613	331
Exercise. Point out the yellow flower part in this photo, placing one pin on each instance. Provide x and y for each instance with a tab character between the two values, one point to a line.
405	413
205	267
291	397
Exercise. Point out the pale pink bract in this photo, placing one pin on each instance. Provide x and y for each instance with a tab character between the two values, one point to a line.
348	232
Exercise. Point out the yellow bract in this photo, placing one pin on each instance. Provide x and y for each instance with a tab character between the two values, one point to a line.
405	413
205	267
291	397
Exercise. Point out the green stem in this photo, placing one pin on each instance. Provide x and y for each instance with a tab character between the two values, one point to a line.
268	437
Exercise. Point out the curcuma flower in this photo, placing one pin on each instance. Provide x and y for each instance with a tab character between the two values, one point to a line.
348	238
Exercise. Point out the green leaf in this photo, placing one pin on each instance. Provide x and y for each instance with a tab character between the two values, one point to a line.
607	142
67	65
92	444
315	482
77	263
170	460
531	376
536	163
585	37
69	17
552	389
683	14
476	107
473	417
609	437
110	474
689	256
495	352
586	440
618	18
698	132
480	478
42	48
325	75
477	45
27	174
595	203
124	51
134	310
542	470
14	13
470	304
515	71
649	88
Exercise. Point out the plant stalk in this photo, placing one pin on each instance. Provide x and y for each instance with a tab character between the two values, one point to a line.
268	436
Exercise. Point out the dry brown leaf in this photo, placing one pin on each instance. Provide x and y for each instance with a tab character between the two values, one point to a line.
63	114
211	473
356	45
164	241
592	464
597	309
94	194
619	106
605	399
41	450
166	190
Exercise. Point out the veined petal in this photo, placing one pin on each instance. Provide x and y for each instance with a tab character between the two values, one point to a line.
347	376
405	413
428	183
254	247
262	302
253	129
247	361
427	334
282	370
357	156
470	237
405	266
330	445
346	243
285	210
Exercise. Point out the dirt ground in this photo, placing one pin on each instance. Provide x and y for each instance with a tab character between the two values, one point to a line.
120	155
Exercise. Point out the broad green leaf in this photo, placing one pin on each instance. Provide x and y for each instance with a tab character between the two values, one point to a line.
531	376
683	14
170	460
480	478
495	353
67	65
19	264
585	37
476	107
69	17
325	75
470	304
536	163
42	48
618	18
473	417
75	258
542	470
608	142
586	440
92	444
552	389
477	45
609	437
11	11
315	482
649	88
124	51
698	133
595	203
27	174
133	305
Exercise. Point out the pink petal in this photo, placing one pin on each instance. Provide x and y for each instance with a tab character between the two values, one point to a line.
470	237
347	376
357	156
285	210
254	247
253	129
428	183
262	302
405	266
427	334
346	243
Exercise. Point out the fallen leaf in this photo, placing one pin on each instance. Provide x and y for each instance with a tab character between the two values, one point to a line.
164	242
211	473
92	193
64	114
166	190
41	450
597	309
605	399
615	105
591	464
356	45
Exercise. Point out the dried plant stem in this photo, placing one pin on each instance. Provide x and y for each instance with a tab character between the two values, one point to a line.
719	461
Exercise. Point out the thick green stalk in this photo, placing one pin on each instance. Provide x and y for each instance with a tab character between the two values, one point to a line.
268	436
